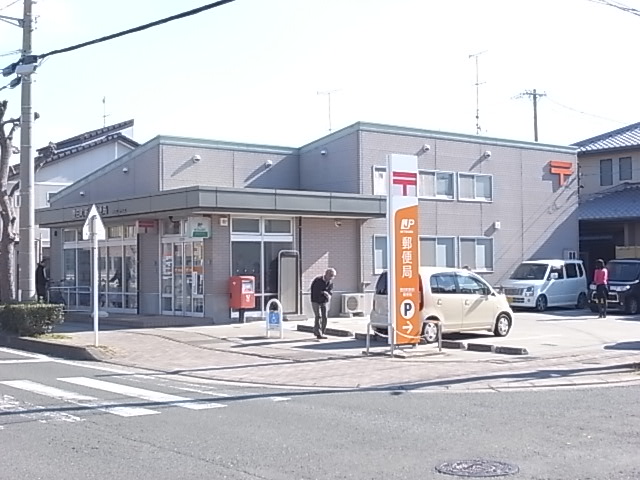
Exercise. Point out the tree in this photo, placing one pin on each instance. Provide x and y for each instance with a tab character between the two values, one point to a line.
8	232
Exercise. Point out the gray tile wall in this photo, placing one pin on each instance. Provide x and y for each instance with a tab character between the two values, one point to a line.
337	171
149	273
538	217
227	168
324	245
217	266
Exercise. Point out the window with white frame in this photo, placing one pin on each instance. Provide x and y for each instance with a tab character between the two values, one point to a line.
436	184
477	253
475	187
625	169
438	252
379	253
606	172
16	200
379	180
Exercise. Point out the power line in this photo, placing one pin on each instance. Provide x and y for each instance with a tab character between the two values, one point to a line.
10	5
585	113
14	52
618	5
138	29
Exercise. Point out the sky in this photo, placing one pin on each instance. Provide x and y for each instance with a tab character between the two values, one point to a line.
258	71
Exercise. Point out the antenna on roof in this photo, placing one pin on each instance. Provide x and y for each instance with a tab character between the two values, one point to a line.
104	112
477	84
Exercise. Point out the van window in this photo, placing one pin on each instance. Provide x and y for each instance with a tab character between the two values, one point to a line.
580	271
572	270
381	285
622	271
443	283
558	270
530	271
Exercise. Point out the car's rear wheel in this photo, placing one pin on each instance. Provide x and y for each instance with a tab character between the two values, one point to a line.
631	306
503	325
430	331
581	304
541	303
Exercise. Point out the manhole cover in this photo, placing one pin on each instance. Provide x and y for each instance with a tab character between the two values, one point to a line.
477	468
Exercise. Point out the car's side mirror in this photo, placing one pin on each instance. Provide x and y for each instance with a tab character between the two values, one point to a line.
553	276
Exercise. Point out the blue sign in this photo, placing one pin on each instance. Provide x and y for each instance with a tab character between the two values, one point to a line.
274	319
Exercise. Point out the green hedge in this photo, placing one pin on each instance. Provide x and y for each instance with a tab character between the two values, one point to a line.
30	319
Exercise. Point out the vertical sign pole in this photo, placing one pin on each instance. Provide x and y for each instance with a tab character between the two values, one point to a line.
403	250
94	277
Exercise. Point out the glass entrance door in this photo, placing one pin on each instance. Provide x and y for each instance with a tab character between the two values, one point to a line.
183	279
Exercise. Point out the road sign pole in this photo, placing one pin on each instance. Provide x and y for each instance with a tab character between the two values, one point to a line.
94	277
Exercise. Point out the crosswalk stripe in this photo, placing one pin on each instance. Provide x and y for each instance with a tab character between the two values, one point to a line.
76	398
141	393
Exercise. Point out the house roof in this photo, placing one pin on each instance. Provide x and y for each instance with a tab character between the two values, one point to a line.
622	138
622	203
85	141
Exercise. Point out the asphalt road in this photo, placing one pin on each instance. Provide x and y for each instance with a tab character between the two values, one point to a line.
64	421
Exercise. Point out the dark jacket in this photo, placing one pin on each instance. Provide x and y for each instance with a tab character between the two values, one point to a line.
41	276
318	287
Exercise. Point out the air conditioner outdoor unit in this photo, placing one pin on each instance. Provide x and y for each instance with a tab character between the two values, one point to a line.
353	304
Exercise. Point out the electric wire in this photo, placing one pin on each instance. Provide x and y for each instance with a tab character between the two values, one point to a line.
137	29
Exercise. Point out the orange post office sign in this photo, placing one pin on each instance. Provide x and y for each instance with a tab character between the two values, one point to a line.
403	246
562	169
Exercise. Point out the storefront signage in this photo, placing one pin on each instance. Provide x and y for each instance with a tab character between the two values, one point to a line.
403	249
564	170
82	213
199	227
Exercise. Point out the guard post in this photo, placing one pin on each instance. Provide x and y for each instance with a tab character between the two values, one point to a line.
273	318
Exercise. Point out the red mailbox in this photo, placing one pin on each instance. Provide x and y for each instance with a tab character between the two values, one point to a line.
242	292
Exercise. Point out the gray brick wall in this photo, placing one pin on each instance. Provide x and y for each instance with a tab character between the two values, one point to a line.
337	171
217	251
227	168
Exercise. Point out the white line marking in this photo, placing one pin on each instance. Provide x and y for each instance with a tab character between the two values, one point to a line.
141	393
77	398
10	405
280	399
23	360
24	354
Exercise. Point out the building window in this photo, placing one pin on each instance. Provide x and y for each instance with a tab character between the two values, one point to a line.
245	225
114	232
277	226
16	200
477	253
69	235
625	168
606	172
438	252
379	253
379	180
435	184
475	187
171	226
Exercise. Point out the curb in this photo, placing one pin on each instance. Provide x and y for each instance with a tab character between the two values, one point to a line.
59	350
336	332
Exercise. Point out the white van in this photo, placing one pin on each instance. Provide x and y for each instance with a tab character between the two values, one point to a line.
540	284
459	299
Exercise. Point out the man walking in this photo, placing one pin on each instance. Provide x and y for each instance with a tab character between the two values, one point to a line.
321	289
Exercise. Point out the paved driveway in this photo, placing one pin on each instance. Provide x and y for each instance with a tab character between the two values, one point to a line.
564	331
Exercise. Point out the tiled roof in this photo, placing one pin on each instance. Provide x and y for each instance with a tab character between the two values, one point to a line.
618	204
625	137
79	143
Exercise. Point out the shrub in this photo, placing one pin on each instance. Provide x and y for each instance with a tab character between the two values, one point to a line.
30	319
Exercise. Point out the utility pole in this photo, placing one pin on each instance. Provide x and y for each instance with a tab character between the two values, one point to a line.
477	84
534	95
328	94
27	250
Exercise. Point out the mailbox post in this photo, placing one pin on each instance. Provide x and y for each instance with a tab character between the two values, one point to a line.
242	294
273	318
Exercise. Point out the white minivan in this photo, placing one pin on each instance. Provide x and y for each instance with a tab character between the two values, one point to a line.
459	299
539	284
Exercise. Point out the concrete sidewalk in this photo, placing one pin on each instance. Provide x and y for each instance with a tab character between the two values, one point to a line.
241	354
